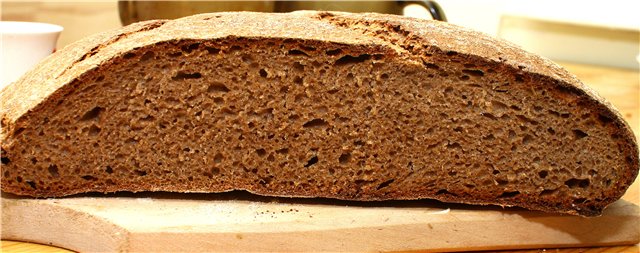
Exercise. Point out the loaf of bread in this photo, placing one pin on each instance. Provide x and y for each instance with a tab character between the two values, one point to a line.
314	104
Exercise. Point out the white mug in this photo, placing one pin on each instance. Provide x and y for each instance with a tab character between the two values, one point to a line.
24	44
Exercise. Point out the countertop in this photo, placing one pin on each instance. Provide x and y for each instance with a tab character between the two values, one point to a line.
620	86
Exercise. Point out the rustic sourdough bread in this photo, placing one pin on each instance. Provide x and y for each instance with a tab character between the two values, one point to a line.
314	104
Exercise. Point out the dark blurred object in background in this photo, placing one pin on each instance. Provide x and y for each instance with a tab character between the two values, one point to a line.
133	11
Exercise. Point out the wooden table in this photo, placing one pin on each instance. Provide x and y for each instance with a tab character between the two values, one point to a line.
621	87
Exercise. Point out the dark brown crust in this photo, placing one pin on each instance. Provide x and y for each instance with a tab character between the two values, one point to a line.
408	38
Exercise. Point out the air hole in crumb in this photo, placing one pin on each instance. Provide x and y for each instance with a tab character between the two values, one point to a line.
88	177
311	161
92	114
526	139
100	79
551	131
464	78
473	72
53	170
501	181
129	55
308	48
94	130
147	56
604	119
579	134
336	51
431	65
32	184
189	48
519	78
247	59
181	75
263	73
344	158
282	151
489	137
215	171
451	53
261	152
384	76
109	170
547	192
489	115
315	123
217	87
350	76
385	184
212	50
298	66
536	159
34	160
284	89
445	192
574	182
509	194
140	172
348	59
293	117
218	158
543	174
5	160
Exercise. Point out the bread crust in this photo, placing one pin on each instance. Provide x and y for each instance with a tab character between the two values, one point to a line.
404	37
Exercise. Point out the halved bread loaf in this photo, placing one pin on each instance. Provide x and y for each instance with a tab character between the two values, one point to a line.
314	104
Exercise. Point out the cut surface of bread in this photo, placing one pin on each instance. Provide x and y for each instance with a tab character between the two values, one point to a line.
314	104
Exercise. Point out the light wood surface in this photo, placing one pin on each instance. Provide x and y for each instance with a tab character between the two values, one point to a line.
620	87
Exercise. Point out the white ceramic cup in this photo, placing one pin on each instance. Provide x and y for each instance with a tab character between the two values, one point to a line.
23	45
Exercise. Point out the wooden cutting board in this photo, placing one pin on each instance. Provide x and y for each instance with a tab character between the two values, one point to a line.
238	221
